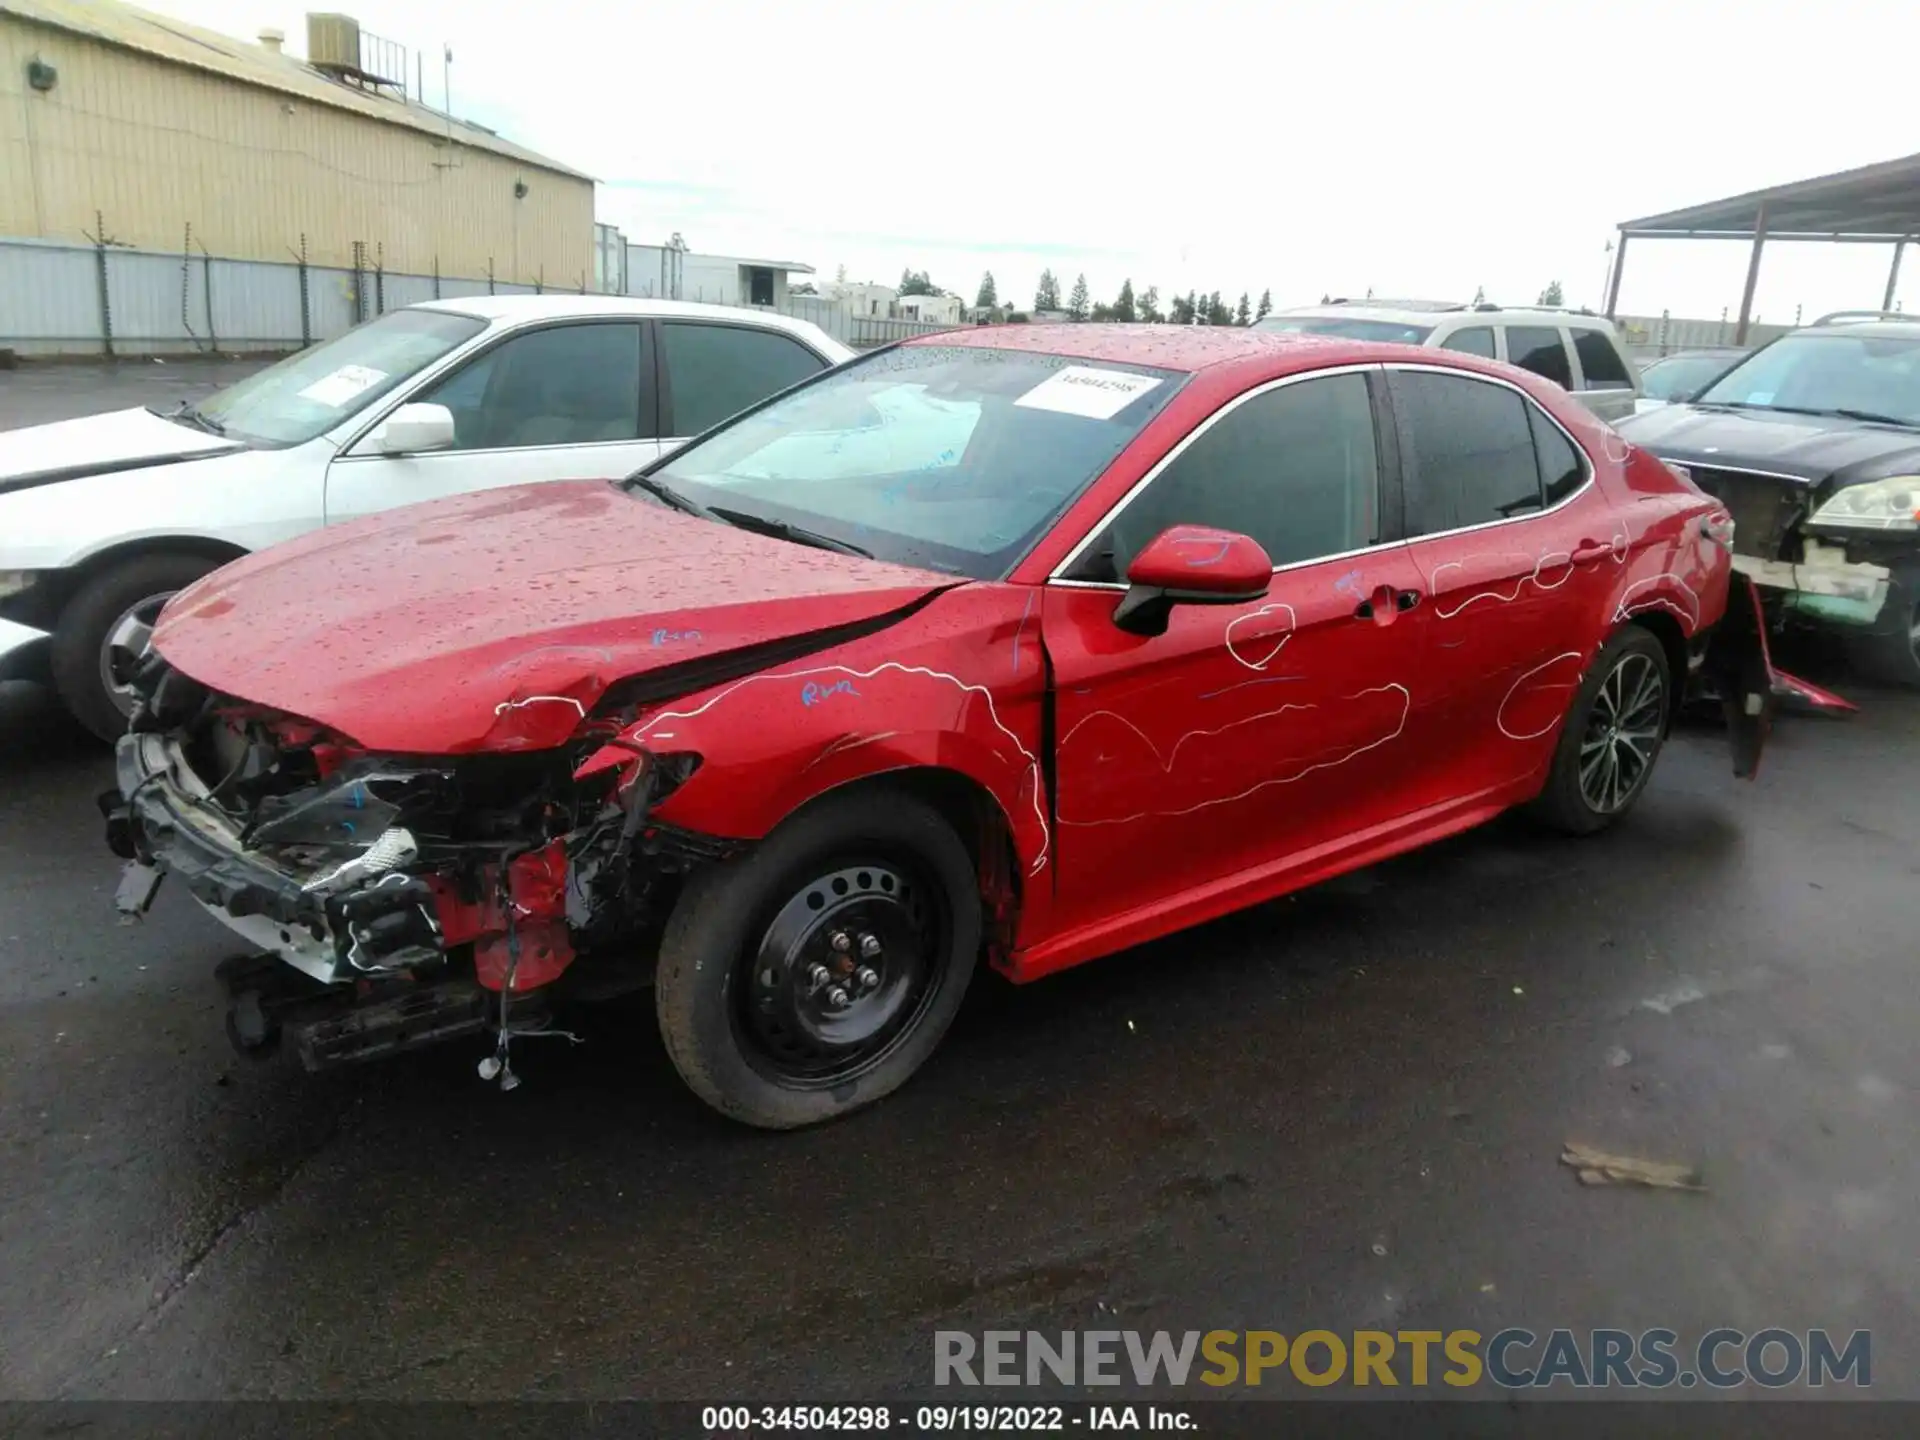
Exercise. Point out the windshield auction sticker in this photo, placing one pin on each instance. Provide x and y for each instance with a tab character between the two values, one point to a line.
1085	391
346	384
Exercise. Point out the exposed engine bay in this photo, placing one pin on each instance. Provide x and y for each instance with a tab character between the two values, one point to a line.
411	898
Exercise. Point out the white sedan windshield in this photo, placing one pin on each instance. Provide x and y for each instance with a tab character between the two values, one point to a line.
308	394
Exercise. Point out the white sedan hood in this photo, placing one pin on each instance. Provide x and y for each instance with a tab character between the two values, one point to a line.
95	444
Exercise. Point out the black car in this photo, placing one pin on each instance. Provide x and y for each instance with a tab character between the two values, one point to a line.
1813	443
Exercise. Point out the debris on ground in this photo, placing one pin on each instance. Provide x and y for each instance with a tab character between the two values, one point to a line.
1597	1167
1619	1055
1684	994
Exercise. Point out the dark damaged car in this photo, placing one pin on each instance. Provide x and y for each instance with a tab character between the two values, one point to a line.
1813	444
1031	643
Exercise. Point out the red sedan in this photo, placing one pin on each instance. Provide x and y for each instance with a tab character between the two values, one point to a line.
1023	643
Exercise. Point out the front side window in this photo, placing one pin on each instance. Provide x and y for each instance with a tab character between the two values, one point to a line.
1601	367
1467	451
1295	468
308	394
1475	340
1538	348
561	385
1855	376
950	457
713	371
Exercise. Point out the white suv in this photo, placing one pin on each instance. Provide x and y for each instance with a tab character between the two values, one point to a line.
103	518
1577	351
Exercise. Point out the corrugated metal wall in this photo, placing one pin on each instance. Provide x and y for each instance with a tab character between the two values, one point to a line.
147	148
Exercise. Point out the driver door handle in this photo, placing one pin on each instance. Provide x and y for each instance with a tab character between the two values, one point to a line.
1591	550
1384	603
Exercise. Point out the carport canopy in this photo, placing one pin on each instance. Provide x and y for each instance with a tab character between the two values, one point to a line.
1873	205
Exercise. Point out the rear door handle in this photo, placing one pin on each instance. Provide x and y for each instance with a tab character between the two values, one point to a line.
1591	550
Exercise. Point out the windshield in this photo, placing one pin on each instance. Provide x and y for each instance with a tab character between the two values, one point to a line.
1678	376
1350	327
1865	375
310	393
955	458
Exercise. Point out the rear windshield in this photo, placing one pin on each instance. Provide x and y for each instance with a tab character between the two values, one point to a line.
1348	328
955	458
1870	377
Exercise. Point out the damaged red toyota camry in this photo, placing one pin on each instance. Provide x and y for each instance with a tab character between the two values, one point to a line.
1020	643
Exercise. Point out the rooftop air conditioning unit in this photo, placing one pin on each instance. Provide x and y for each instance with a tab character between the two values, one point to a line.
333	43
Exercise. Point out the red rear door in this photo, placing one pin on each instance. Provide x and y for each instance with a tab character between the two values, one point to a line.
1520	552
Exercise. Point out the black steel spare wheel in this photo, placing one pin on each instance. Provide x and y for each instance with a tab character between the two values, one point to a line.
840	974
815	974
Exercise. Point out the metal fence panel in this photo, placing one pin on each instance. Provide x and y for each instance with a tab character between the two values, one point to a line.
171	304
49	295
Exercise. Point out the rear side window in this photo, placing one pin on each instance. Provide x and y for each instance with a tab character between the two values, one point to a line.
1296	468
713	371
1562	470
1468	451
1601	367
1538	348
1475	341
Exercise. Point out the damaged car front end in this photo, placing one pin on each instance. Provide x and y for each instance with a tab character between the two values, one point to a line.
391	901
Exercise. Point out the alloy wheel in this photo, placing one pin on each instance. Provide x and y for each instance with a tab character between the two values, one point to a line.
1624	725
126	642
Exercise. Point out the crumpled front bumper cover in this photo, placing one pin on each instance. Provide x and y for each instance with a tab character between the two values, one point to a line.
160	828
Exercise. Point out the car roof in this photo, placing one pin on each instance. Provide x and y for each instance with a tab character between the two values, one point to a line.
1432	312
1893	329
526	309
1190	348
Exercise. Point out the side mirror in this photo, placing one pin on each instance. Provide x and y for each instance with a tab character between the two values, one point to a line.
1191	565
414	428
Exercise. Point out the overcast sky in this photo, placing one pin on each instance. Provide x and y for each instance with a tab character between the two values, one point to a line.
1411	148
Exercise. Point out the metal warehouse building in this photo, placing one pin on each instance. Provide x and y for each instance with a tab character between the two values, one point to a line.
127	128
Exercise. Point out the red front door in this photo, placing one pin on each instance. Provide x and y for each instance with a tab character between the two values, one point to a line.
1244	735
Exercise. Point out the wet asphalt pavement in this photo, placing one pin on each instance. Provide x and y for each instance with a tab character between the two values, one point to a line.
1343	1110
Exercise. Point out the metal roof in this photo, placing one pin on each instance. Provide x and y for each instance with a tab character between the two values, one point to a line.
176	41
1875	202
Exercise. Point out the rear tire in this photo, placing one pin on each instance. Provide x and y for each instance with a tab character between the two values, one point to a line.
1891	656
125	599
1612	736
818	973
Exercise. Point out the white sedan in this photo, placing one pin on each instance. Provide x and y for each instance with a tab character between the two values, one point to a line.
103	518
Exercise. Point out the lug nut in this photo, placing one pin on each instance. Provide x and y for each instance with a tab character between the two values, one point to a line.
840	941
868	977
817	973
838	997
869	946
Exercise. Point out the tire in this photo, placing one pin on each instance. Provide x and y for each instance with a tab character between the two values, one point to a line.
131	591
1629	663
746	1021
1891	656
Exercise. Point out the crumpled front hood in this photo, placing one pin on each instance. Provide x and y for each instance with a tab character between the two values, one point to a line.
97	444
1811	447
495	620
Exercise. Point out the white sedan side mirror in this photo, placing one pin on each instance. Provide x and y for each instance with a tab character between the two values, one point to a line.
414	428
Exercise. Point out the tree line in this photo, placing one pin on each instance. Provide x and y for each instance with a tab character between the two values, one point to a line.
1193	308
